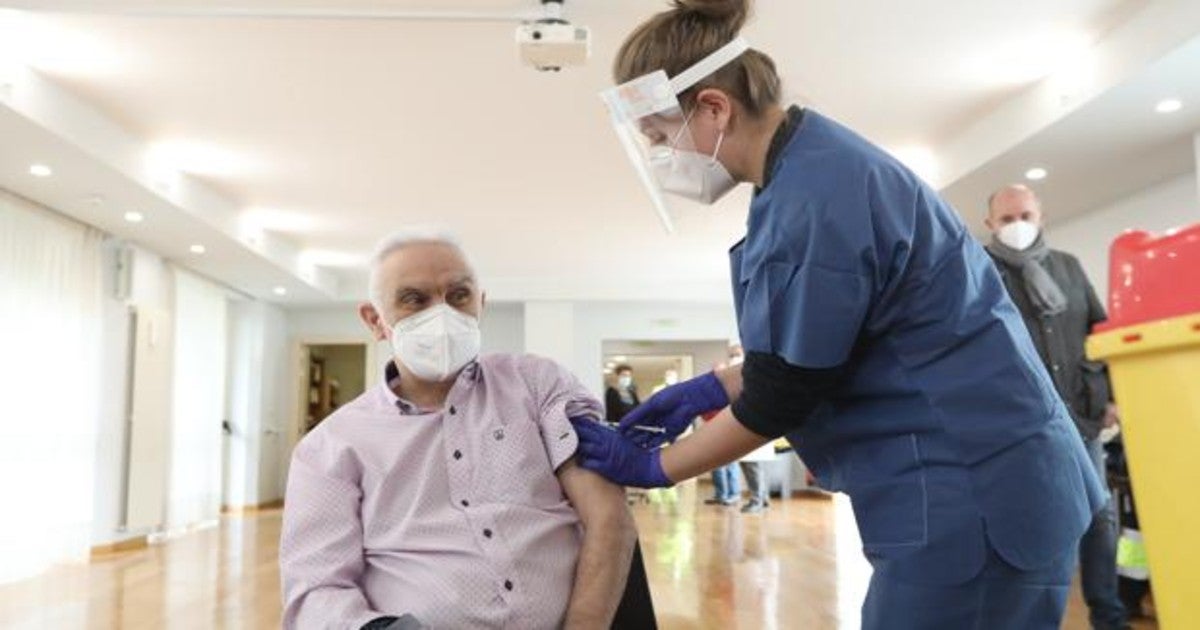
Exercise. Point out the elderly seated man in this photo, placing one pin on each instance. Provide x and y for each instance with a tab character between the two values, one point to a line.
448	496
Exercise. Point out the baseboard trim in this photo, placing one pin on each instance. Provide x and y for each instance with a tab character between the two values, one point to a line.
119	547
234	510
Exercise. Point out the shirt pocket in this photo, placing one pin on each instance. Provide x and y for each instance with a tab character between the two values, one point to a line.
515	468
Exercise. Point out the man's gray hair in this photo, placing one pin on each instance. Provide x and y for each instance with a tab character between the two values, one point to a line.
406	238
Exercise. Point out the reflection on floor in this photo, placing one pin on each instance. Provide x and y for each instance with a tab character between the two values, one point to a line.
796	566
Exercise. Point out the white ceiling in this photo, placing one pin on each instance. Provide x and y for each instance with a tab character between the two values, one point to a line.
339	131
1115	146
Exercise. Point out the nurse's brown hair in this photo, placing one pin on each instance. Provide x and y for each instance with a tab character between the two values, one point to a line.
690	31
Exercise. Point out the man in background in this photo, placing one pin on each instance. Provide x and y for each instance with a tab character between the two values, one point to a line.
1060	308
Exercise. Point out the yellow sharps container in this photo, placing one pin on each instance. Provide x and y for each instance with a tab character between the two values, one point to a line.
1152	346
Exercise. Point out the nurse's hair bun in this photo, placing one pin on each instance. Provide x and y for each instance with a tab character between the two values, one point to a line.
689	31
733	13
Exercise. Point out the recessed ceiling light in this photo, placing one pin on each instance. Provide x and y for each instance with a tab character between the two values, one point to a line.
133	216
197	249
40	170
280	291
1036	174
1168	106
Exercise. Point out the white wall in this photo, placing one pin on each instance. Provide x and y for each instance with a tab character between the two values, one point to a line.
1167	205
503	327
198	401
259	403
277	397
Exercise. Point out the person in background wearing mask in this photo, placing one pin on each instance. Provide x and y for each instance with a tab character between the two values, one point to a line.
1060	308
879	338
670	377
448	496
621	398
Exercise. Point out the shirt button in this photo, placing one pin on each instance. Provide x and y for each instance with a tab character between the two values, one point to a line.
466	503
508	585
1056	367
487	533
453	411
457	454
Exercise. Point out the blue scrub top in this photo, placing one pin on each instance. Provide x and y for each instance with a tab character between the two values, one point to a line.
946	431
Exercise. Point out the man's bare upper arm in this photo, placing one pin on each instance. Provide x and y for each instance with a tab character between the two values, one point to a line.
595	498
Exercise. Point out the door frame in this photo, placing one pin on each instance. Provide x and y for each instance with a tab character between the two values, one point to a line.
299	361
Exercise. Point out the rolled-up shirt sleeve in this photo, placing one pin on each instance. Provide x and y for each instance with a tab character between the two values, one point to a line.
321	546
560	396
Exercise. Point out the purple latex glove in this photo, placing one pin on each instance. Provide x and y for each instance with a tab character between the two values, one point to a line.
671	411
606	452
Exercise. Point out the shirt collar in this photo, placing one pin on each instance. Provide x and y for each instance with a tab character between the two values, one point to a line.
783	134
470	375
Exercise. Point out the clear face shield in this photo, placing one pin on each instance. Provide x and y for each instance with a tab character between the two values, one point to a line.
653	130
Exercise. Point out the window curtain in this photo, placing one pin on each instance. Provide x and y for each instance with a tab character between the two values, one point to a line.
50	311
198	405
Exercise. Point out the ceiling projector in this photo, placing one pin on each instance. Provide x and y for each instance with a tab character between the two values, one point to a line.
552	43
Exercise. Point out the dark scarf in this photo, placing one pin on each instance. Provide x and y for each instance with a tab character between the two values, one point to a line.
1045	294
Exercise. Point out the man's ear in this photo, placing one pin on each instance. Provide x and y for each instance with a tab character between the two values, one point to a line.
988	222
374	321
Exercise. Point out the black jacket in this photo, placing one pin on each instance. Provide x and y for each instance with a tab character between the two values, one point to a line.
1060	339
615	408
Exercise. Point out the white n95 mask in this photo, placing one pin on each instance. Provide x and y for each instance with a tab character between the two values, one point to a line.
692	175
1019	235
436	343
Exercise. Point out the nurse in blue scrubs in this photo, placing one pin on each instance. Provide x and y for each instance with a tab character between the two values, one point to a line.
879	340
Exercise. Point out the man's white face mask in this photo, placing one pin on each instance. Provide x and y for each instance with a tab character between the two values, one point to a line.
437	343
1019	235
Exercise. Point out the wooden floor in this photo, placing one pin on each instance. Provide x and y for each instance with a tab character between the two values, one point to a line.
797	566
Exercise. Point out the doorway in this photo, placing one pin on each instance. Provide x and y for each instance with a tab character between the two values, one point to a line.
337	374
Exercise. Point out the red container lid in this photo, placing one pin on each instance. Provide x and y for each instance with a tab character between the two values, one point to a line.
1153	277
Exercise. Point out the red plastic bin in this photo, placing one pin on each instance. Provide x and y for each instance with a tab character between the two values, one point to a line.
1153	277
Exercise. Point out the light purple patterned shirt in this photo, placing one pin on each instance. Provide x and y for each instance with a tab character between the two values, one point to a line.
455	515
